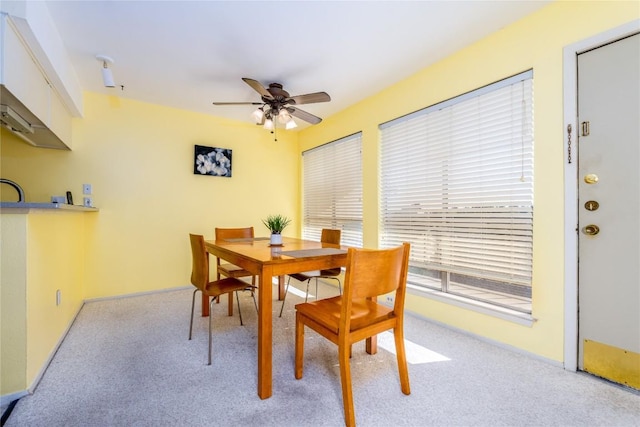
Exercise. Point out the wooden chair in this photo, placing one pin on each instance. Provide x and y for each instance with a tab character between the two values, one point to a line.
356	315
330	237
230	270
200	279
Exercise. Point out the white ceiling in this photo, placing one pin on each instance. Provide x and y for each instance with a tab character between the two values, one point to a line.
186	54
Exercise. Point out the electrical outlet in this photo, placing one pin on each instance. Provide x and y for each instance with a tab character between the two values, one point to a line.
58	297
87	202
389	300
86	188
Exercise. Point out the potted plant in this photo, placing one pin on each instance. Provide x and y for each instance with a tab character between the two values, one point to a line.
275	224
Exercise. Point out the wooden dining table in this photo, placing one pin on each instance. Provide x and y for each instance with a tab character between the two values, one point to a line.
257	256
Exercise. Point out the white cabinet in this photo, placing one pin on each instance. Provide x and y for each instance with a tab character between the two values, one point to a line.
60	122
26	89
21	75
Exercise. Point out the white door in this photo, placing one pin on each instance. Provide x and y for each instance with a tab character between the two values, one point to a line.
609	211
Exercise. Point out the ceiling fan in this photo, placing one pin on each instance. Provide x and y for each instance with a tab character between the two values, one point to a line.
278	104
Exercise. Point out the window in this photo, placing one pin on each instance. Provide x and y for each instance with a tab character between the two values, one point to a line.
457	183
332	190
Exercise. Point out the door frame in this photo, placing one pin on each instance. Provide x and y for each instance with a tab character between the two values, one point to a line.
570	112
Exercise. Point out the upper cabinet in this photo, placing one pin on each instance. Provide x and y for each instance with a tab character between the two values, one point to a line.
30	105
20	74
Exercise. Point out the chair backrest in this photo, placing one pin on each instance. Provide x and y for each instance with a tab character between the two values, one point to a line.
374	272
200	262
330	236
233	233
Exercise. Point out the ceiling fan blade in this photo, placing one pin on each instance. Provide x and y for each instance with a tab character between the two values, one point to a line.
303	115
257	87
310	98
237	103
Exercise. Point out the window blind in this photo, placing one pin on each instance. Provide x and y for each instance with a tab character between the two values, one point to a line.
332	190
457	183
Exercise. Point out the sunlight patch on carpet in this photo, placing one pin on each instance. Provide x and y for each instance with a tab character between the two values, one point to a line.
416	354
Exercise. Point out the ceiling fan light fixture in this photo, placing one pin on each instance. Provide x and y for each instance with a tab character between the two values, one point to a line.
284	116
291	124
268	124
258	115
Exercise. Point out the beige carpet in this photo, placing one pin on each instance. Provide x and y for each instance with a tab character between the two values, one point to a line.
127	362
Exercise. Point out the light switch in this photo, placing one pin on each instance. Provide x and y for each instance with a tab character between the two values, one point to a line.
86	188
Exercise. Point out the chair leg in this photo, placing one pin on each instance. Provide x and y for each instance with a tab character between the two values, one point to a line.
218	297
402	360
193	303
238	300
253	291
299	347
286	291
344	351
307	295
253	295
210	327
339	284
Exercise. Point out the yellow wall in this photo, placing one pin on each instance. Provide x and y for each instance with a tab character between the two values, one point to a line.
42	252
55	261
537	43
13	312
139	159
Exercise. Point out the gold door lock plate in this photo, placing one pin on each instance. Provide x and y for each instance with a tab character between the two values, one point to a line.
591	205
591	230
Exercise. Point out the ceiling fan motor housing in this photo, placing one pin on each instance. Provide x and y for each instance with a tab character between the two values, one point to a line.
279	95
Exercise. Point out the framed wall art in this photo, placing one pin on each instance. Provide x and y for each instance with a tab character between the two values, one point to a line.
212	161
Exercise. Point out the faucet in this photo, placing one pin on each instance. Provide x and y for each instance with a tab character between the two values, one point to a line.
16	186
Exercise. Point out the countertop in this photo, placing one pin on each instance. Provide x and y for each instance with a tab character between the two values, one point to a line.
25	207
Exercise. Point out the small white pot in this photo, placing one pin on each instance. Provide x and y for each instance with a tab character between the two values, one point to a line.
276	239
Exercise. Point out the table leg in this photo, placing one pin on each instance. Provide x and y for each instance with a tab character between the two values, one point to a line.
230	306
280	288
205	306
265	333
371	344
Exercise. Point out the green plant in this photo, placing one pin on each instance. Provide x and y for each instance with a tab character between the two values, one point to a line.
276	223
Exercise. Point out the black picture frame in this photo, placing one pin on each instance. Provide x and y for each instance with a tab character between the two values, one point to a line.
212	161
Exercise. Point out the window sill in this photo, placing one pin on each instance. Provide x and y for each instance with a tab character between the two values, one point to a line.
472	305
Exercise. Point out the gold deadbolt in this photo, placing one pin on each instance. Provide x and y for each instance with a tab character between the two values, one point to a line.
591	178
591	230
591	205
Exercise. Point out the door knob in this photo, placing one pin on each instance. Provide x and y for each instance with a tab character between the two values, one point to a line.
591	178
591	230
